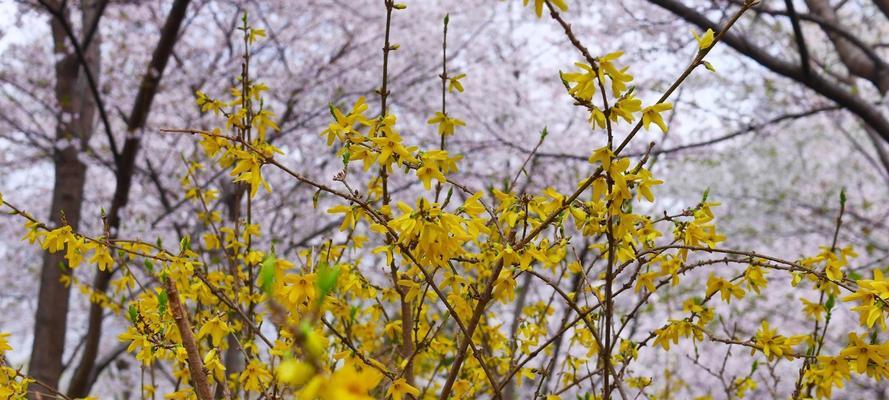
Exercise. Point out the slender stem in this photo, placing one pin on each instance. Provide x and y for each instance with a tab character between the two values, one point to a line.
384	91
820	339
195	363
444	92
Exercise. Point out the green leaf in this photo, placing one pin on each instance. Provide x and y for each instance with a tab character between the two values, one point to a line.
185	243
326	279
353	312
133	312
708	66
830	302
149	266
315	198
304	328
162	301
267	274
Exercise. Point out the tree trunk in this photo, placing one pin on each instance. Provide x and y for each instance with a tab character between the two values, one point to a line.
85	375
73	131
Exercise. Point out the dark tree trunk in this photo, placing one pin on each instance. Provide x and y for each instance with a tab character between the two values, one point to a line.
85	375
74	129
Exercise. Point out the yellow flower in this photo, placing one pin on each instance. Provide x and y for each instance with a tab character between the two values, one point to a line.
343	126
214	365
461	388
454	83
139	342
619	76
208	104
597	118
213	144
352	383
774	345
446	124
211	241
644	181
755	278
427	172
34	233
864	353
54	240
812	309
400	388
705	40
725	288
743	385
262	121
828	372
870	295
216	328
300	288
4	343
445	162
646	280
674	330
101	256
504	286
473	206
390	147
248	169
75	250
601	155
638	382
433	164
584	82
538	6
625	107
255	33
294	372
255	376
700	231
833	271
652	114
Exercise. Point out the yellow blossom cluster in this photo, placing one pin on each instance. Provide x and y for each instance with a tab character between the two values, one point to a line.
445	290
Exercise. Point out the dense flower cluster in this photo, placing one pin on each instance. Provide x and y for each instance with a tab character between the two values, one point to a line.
328	325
